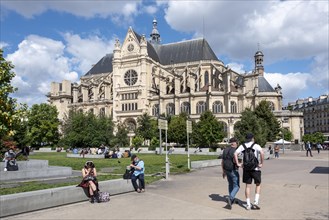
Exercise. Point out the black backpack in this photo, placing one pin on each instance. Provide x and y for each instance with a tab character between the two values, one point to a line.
250	161
228	164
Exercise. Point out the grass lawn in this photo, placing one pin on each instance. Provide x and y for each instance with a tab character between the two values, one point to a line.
107	169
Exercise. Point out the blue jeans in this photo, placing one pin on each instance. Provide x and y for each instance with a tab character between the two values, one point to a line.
233	179
140	178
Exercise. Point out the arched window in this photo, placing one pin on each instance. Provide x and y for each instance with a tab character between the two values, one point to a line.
200	107
102	112
185	107
131	124
91	111
233	107
170	109
155	110
206	78
217	107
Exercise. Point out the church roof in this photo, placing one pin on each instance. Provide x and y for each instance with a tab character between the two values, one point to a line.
185	51
103	66
263	85
180	52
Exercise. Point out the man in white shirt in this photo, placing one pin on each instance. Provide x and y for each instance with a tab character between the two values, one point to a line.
254	174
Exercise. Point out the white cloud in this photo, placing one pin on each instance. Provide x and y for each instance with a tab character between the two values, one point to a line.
87	51
87	9
292	84
40	61
3	45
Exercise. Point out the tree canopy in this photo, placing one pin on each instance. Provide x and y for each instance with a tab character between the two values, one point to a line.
208	131
42	125
87	130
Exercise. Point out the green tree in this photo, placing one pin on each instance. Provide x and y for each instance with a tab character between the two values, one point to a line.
137	141
287	135
263	111
87	130
208	131
177	129
10	112
121	137
146	126
42	125
316	137
250	123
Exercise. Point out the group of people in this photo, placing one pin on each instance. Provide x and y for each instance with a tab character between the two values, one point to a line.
90	184
251	167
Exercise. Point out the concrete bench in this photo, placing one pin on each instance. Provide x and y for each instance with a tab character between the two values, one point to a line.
34	169
31	201
92	156
30	164
36	173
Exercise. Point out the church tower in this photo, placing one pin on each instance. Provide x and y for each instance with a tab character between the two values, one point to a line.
155	36
259	68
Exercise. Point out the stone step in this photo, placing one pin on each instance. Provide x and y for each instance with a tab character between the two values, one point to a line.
35	173
30	164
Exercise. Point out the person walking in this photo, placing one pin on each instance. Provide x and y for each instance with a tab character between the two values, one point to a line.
308	149
276	151
138	166
230	170
318	147
251	168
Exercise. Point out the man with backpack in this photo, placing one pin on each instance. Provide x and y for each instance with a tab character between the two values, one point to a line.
230	170
251	168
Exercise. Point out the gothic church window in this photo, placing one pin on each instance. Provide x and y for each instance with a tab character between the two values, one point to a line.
185	107
155	110
206	78
130	77
102	112
217	107
233	107
200	107
170	109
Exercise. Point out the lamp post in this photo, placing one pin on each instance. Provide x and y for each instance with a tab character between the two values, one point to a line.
282	136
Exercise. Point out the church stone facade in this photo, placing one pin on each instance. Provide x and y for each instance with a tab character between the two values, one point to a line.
145	76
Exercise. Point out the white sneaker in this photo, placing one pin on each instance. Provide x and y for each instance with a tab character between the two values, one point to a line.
248	207
5	169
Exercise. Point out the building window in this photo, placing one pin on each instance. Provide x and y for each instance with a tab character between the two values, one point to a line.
233	107
206	78
129	107
217	107
200	107
129	96
271	105
102	112
155	110
185	107
130	77
170	109
91	111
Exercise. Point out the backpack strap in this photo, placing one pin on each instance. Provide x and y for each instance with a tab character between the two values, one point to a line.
244	146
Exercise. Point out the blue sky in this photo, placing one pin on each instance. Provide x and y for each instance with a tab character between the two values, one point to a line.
55	40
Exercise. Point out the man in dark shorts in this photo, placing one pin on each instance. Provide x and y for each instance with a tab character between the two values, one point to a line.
254	174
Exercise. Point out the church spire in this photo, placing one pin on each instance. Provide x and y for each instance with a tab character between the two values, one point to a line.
155	36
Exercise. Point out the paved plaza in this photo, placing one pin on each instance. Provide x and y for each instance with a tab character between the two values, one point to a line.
294	187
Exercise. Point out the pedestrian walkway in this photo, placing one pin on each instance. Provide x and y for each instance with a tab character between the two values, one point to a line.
290	190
